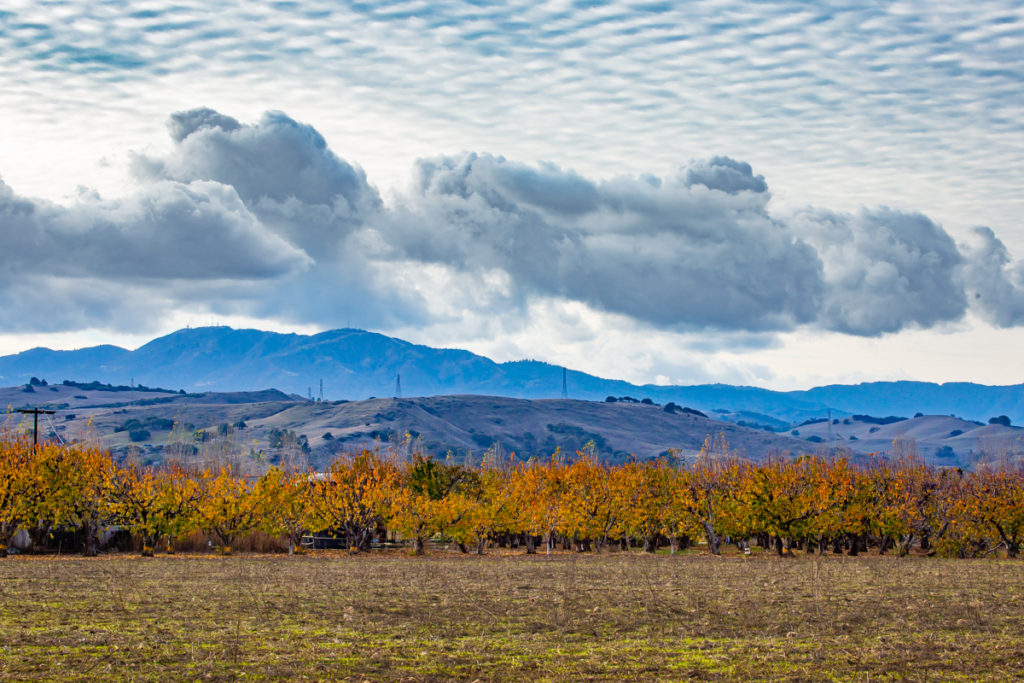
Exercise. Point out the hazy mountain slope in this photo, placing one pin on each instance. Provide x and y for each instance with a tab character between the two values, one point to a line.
975	401
91	362
355	364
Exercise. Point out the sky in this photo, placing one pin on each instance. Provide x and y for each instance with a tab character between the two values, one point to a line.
782	194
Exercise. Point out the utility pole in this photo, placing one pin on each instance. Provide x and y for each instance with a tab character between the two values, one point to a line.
830	451
35	427
321	390
398	385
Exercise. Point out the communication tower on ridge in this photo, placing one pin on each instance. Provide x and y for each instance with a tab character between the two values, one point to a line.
565	385
398	386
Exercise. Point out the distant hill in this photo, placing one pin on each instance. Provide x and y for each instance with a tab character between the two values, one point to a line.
441	425
471	424
940	439
463	424
355	364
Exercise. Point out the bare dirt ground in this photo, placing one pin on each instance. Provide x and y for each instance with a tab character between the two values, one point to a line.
624	616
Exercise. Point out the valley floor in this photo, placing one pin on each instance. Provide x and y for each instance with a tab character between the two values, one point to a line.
565	617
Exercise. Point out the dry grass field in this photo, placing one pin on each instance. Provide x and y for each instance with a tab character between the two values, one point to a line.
565	617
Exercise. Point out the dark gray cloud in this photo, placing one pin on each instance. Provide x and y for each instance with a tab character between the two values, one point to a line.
725	174
125	263
59	304
658	250
265	220
184	123
281	169
166	231
884	270
995	284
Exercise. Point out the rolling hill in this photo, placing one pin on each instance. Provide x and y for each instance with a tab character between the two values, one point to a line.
940	439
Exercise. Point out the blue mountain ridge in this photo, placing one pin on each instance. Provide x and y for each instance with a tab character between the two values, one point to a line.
356	364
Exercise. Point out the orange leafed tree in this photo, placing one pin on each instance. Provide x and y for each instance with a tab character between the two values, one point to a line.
285	505
996	500
229	506
15	473
155	503
71	487
355	497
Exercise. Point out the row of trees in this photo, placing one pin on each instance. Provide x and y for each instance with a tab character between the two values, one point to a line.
809	503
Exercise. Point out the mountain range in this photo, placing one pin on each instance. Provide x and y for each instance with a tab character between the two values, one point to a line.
356	364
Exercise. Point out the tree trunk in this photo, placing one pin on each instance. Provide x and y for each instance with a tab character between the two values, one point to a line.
89	548
417	546
531	548
148	545
714	543
480	544
651	543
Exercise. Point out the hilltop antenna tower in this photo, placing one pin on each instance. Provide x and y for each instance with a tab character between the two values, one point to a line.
565	385
321	390
398	385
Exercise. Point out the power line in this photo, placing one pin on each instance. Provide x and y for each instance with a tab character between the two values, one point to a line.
54	430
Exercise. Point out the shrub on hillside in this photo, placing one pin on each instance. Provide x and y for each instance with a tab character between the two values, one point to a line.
140	434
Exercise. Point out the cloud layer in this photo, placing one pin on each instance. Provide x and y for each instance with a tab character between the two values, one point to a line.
266	220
